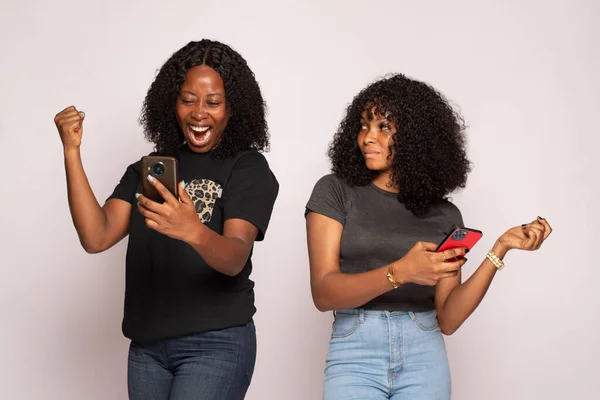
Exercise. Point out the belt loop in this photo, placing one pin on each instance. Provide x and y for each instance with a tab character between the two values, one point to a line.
361	315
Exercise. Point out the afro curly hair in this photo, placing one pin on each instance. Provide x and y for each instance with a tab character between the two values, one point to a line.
429	156
247	127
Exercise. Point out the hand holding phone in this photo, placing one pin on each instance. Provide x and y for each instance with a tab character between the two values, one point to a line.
459	238
162	168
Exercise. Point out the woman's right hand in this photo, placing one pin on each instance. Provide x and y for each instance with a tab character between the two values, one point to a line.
423	266
69	123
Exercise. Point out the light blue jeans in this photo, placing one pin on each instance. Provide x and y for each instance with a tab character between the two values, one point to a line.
393	355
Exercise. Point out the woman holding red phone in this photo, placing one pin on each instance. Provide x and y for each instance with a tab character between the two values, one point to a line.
189	300
373	227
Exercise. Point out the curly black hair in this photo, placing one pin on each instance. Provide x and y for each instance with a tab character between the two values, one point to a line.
247	126
430	159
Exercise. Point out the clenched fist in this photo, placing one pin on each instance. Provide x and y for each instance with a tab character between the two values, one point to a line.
69	123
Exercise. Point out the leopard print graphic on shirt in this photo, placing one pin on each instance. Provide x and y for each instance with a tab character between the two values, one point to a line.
204	193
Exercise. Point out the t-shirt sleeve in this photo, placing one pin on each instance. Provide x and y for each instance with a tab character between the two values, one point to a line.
250	192
453	215
328	198
128	185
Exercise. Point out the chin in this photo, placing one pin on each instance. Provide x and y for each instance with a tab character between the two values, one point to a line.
374	165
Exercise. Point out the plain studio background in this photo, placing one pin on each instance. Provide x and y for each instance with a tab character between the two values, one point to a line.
524	74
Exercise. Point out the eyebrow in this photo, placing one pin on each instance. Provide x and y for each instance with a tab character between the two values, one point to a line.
194	94
380	119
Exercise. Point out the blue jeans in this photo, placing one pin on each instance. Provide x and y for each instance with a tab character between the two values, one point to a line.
214	365
386	355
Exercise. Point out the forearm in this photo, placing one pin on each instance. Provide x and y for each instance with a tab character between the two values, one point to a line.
338	291
88	217
227	255
466	297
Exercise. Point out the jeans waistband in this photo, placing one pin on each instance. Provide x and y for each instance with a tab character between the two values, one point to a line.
377	313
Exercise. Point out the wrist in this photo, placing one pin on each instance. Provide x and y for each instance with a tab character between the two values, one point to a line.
71	151
196	236
500	249
400	272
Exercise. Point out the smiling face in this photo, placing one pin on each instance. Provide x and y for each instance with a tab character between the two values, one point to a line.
202	111
375	141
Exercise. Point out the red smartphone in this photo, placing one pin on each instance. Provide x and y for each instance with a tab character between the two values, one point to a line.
463	238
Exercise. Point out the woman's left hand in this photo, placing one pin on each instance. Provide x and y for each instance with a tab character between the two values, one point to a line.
527	236
174	218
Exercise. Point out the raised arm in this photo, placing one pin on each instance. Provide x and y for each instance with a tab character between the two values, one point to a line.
455	302
99	228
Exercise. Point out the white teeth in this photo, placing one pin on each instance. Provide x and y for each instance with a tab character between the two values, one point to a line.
199	129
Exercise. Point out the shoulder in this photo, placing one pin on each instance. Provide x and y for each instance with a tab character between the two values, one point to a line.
451	211
250	157
331	181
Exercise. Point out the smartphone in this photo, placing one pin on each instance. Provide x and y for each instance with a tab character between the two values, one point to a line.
464	238
165	170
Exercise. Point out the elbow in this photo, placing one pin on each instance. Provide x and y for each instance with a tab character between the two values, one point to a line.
91	247
448	330
322	304
447	327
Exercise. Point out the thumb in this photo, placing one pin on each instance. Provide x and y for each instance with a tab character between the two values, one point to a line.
79	124
183	195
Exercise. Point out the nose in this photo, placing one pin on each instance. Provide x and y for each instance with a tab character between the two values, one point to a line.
199	112
370	136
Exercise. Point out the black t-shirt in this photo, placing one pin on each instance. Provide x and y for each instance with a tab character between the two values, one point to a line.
170	291
378	230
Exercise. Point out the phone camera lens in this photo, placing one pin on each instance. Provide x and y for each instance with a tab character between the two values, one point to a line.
158	169
459	235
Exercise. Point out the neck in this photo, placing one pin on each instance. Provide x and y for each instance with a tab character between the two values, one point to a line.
383	182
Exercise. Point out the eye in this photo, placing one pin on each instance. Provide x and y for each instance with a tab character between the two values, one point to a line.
187	101
384	127
213	104
363	127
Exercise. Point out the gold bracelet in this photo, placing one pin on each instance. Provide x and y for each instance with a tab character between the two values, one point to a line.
390	276
498	263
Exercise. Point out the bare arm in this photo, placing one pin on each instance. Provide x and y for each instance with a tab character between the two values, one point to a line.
334	290
99	228
226	253
455	302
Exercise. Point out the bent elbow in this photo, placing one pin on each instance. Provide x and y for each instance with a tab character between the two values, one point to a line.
448	330
92	247
322	304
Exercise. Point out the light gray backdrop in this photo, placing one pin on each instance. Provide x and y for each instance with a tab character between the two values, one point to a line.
524	73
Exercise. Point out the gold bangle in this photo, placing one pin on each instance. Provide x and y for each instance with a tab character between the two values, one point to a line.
498	263
390	276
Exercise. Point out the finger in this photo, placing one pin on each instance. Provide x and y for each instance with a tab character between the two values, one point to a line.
148	204
428	246
74	121
538	229
153	225
547	227
164	192
453	266
67	109
183	195
534	235
452	274
452	253
149	214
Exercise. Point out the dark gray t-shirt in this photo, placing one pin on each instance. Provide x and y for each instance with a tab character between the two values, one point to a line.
378	230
